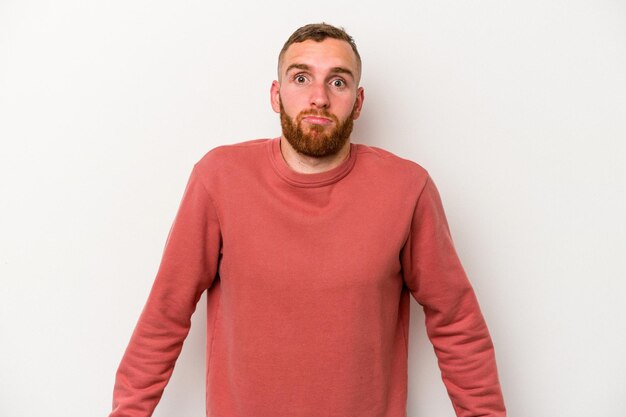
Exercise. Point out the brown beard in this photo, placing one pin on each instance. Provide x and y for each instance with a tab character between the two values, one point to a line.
315	142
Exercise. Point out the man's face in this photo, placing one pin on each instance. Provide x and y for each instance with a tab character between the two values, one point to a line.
318	96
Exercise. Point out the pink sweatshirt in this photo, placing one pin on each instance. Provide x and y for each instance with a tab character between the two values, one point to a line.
308	279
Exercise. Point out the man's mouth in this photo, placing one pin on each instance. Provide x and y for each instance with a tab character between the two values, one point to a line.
317	120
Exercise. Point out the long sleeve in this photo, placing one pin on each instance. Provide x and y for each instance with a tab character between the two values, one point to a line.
454	322
188	267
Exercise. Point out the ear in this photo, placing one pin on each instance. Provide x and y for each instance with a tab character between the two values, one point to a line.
275	96
358	103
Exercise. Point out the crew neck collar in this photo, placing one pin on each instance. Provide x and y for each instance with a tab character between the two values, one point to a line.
309	180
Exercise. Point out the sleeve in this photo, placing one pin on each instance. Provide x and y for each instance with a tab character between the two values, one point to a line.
188	267
454	322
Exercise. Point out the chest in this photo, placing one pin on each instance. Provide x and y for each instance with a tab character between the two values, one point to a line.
344	234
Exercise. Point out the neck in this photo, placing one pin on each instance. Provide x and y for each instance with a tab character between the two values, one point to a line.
310	164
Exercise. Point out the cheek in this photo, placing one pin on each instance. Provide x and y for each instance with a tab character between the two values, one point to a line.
348	104
291	103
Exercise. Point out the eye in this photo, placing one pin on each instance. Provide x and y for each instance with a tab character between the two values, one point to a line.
300	79
339	83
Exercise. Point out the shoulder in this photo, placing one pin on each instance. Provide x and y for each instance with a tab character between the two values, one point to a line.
226	156
380	162
228	165
384	158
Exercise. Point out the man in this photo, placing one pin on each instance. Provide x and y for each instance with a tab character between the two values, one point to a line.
309	247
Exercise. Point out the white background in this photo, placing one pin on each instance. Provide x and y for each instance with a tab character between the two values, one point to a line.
518	110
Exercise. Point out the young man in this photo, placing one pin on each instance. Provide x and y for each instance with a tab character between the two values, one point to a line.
309	247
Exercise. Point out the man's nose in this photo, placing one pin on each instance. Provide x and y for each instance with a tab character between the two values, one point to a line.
319	95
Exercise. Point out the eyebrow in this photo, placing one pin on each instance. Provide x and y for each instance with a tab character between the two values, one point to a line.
334	70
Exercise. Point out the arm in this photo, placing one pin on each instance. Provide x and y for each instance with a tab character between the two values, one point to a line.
188	267
454	323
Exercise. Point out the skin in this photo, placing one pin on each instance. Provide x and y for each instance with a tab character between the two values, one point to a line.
317	76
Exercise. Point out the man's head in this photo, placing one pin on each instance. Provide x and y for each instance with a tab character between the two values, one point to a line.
317	93
318	32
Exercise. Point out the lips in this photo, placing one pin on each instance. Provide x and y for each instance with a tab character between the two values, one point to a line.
316	120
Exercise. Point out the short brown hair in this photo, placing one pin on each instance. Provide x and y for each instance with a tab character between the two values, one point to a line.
318	32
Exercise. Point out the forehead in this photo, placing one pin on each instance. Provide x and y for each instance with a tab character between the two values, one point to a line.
329	53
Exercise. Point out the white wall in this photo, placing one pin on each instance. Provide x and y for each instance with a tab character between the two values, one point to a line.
516	108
